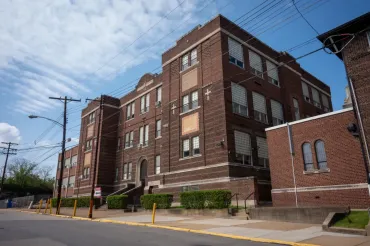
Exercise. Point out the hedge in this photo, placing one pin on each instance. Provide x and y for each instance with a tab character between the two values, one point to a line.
69	202
117	202
205	199
162	200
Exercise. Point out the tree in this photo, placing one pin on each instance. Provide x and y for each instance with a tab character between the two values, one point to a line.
44	172
21	172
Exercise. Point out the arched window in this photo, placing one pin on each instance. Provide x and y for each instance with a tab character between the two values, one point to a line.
307	157
321	154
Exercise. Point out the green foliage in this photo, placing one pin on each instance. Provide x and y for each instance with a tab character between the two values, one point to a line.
205	199
356	219
163	201
69	202
117	202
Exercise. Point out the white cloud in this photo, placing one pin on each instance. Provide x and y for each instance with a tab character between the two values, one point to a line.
9	133
57	48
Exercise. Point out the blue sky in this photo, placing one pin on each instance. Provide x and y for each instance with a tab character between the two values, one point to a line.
85	48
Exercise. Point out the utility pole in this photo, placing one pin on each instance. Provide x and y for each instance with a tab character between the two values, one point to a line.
65	100
6	160
101	101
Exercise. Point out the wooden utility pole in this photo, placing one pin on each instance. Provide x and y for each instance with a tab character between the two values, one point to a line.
8	152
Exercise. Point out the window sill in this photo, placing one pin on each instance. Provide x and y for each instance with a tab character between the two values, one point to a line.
129	147
315	171
237	65
159	137
129	119
244	116
86	151
142	113
190	110
91	123
187	69
190	157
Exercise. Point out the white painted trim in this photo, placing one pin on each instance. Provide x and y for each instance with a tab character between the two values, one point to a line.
189	111
94	109
322	188
140	95
204	181
110	105
310	118
192	47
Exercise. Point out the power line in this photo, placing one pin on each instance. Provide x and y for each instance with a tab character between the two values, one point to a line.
304	17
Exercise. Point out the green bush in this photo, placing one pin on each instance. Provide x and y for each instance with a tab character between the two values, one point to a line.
70	202
117	202
163	201
205	199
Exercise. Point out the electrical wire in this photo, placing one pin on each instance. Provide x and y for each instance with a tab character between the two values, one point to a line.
304	18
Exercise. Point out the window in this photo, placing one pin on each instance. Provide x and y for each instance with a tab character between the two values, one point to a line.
129	171
255	63
263	155
158	127
91	118
144	103
157	169
307	157
71	182
325	102
88	145
74	160
277	113
125	170
239	97
130	110
190	147
65	182
144	135
243	150
86	173
236	53
320	154
272	73
116	175
118	144
368	37
316	98
159	96
259	106
129	139
296	109
59	164
306	93
186	105
67	162
185	63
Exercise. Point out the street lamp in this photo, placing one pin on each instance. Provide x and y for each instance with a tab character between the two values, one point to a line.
36	116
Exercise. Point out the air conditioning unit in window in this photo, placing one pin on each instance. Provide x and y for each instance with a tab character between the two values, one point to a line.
158	104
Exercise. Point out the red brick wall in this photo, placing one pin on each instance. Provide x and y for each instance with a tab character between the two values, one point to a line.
344	160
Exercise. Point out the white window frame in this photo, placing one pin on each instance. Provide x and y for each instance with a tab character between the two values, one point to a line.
192	103
88	145
238	108
125	171
91	118
264	160
193	57
275	120
159	96
238	61
144	103
307	97
192	151
296	109
254	70
157	167
244	158
129	139
130	111
258	115
270	73
185	62
158	128
315	93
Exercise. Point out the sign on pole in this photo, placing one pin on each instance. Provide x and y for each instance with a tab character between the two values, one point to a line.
97	192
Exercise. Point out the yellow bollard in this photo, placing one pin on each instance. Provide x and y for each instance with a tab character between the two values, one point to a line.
58	210
51	207
46	207
74	209
40	205
153	213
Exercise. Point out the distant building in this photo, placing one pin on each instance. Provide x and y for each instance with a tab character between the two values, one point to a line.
348	99
200	124
326	167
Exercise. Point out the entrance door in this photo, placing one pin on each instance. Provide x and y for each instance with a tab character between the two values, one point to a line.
143	170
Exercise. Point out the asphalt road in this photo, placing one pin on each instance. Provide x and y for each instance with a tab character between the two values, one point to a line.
31	229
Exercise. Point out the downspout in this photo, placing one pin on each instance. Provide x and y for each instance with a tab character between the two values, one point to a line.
291	150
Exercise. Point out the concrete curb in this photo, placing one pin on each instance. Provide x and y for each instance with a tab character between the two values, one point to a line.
261	240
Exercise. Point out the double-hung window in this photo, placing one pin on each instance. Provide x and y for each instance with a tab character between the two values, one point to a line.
306	93
255	64
127	170
259	107
243	150
86	172
157	168
277	113
316	98
74	160
158	126
239	97
144	135
130	110
71	182
321	154
186	62
190	101
236	53
91	118
272	73
190	147
116	174
307	157
263	155
88	145
144	103
325	102
297	115
159	96
129	139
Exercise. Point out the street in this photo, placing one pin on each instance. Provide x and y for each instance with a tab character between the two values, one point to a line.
18	228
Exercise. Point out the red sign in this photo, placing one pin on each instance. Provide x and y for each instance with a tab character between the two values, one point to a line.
97	192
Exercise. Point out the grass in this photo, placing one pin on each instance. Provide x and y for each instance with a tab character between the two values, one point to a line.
356	219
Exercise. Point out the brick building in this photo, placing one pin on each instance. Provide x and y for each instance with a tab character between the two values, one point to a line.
355	53
69	172
200	124
329	168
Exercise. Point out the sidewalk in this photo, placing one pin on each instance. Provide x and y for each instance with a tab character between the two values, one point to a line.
284	231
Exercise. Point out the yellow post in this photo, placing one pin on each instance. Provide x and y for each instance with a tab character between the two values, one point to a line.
58	210
74	209
51	207
153	213
40	206
46	206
